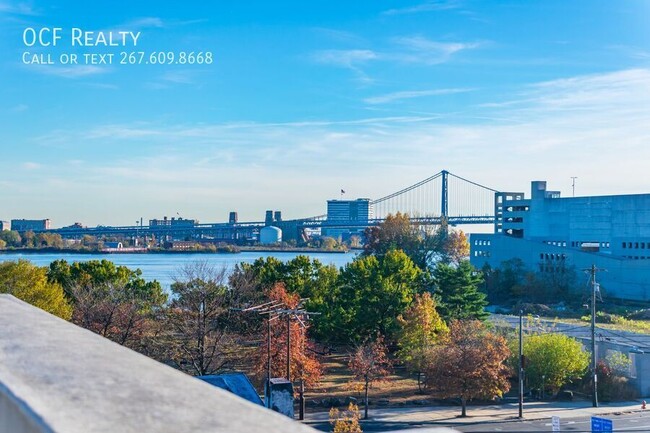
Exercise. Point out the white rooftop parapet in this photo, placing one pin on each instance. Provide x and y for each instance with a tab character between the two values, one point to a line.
58	377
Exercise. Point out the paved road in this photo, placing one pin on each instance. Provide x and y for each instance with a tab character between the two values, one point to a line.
582	331
637	422
626	422
575	417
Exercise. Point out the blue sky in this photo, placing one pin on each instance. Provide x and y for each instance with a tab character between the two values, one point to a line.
306	98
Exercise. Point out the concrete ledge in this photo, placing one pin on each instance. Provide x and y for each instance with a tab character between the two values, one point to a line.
57	377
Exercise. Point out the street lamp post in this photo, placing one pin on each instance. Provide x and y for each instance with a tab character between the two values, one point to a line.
594	287
521	364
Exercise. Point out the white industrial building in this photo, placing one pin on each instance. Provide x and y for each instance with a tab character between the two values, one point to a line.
270	235
544	231
347	217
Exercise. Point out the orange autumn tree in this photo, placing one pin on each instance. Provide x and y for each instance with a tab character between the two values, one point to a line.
304	364
421	329
456	246
469	364
369	362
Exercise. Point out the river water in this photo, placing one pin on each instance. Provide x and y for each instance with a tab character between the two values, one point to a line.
163	267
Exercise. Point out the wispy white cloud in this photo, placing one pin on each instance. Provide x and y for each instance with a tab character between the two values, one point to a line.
410	94
72	72
20	108
633	52
430	6
31	165
339	35
350	59
595	127
21	8
346	58
107	86
178	77
145	22
418	49
404	49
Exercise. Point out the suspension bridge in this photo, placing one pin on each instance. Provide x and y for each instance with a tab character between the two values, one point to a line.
443	197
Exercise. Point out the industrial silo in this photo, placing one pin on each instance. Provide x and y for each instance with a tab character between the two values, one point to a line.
270	235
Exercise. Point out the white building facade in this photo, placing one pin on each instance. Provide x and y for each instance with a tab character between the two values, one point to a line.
347	217
544	231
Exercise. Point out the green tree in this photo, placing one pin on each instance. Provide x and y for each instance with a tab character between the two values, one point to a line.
469	365
197	329
398	233
52	240
553	360
89	241
113	301
421	328
97	273
458	289
11	237
619	363
512	281
370	295
504	283
329	243
28	239
303	276
28	282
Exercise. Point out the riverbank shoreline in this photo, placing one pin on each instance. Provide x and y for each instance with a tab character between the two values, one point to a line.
239	250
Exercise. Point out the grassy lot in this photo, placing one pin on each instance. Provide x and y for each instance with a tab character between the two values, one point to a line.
617	323
338	381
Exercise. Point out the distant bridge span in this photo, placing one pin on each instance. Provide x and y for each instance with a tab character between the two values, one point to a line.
441	197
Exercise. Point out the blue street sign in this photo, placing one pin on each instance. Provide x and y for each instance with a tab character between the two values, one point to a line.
601	425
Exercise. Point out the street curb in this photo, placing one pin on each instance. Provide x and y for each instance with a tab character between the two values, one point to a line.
511	419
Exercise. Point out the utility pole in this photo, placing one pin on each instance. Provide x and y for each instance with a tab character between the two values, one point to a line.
573	184
594	288
521	364
268	353
288	347
271	311
275	310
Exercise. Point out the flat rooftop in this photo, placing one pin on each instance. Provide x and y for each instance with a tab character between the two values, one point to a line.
58	377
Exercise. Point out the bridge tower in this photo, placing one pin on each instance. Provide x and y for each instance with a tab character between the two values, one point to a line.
444	209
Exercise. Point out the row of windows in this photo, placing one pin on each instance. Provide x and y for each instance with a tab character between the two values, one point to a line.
636	257
579	244
553	256
636	245
481	254
482	242
551	268
555	243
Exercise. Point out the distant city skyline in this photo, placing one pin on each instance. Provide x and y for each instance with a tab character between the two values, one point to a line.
304	100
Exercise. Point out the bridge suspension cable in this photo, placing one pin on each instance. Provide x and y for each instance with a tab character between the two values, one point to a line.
443	194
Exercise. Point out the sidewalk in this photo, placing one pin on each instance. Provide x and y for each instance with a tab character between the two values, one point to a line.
486	414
